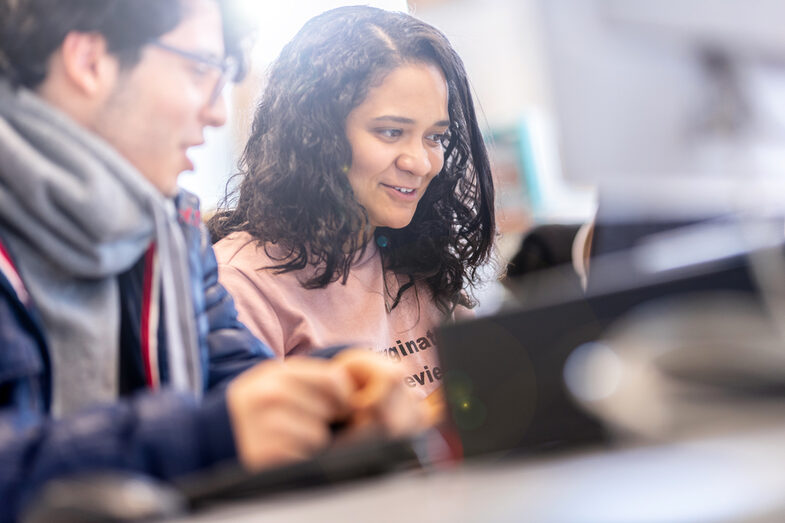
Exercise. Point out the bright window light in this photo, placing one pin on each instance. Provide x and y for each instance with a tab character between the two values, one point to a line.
278	22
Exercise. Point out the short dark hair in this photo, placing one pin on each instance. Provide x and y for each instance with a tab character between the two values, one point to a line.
294	190
32	30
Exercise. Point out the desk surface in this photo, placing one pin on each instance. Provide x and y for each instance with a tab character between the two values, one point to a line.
736	477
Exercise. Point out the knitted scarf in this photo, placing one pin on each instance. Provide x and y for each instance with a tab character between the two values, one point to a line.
75	214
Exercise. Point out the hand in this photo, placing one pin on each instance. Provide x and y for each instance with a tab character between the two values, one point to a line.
281	412
380	399
435	407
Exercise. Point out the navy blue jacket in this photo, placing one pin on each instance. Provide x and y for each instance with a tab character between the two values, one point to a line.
159	433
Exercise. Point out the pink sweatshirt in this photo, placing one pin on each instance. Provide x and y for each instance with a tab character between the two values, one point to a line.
295	320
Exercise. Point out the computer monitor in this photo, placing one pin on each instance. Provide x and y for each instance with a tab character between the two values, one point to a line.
673	108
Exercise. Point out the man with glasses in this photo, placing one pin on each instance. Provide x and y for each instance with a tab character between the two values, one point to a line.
118	347
223	70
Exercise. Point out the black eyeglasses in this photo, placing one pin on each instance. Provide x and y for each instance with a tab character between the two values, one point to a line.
227	67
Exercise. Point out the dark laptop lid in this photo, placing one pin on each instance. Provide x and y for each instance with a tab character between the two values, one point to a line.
504	373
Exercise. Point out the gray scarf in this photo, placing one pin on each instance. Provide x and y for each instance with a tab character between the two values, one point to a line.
75	214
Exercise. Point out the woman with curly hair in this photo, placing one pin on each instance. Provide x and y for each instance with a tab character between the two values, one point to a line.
365	205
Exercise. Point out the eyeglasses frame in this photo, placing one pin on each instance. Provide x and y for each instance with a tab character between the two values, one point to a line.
228	66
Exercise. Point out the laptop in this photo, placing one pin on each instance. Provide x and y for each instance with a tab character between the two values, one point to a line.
504	381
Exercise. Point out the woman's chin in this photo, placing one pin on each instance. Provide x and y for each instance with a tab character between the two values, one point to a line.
393	222
396	225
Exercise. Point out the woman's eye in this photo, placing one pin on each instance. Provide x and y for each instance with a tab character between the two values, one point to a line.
438	138
389	133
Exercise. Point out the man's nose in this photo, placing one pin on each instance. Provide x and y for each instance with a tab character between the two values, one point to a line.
214	114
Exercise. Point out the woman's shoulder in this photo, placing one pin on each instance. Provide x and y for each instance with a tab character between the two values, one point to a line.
241	254
239	249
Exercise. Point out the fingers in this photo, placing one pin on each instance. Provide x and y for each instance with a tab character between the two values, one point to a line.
380	396
288	436
402	413
373	378
435	408
305	384
281	412
316	388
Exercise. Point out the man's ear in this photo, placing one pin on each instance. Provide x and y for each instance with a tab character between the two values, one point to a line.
87	63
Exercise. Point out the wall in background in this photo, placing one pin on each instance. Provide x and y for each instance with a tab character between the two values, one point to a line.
501	45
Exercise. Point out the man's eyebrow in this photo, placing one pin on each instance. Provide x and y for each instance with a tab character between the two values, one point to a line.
408	121
212	56
208	53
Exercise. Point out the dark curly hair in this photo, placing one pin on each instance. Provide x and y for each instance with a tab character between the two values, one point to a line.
293	188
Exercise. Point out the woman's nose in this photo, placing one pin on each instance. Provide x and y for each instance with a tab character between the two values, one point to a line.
415	160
